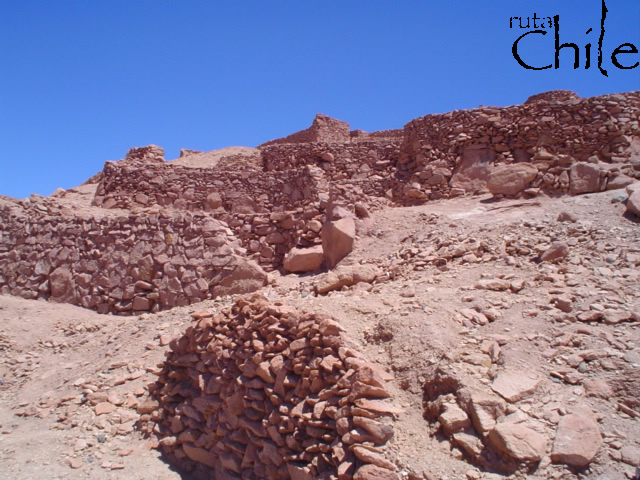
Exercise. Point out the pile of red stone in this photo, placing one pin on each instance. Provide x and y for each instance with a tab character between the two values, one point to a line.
263	391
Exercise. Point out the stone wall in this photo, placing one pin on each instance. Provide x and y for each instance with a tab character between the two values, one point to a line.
128	264
339	161
446	155
127	185
262	391
322	129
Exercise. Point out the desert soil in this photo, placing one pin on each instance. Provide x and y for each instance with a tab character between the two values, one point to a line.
72	382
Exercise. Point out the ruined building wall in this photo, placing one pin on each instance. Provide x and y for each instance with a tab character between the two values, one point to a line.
262	391
126	185
127	264
322	129
550	134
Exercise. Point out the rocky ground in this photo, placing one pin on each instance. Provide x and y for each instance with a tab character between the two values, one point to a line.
512	325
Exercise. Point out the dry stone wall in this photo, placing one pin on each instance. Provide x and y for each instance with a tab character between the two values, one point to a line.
263	391
130	185
126	264
555	143
446	155
270	212
322	129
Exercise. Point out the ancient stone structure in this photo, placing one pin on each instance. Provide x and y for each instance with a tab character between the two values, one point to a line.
125	264
262	391
274	198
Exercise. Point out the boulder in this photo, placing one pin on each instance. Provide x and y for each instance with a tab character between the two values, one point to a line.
246	277
518	441
304	259
633	202
486	411
474	170
214	200
62	285
511	179
345	276
338	237
577	441
584	178
619	181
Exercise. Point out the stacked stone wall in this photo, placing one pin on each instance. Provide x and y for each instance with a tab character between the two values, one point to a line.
262	391
130	185
125	265
339	161
552	135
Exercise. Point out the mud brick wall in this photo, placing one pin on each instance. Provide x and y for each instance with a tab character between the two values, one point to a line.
551	134
339	161
123	265
127	185
263	391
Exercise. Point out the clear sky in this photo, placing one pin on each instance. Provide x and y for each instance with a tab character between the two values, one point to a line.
83	81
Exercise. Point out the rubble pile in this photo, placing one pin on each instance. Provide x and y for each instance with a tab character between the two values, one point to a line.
263	391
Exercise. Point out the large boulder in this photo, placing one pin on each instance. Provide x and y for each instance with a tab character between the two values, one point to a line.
584	178
338	237
304	259
511	179
474	170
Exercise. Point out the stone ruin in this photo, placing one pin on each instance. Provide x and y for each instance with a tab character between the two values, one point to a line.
262	391
259	390
172	235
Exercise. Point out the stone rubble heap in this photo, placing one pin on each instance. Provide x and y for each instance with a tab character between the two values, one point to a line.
262	391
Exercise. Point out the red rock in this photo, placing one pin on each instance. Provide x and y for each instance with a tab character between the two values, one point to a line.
62	285
247	276
584	178
104	408
299	472
511	179
633	202
555	252
577	441
515	386
373	472
369	456
518	442
337	240
304	259
378	406
596	387
379	431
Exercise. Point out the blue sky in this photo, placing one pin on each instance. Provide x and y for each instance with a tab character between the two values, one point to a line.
83	81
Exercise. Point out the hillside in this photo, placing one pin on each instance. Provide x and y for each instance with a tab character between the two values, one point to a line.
457	299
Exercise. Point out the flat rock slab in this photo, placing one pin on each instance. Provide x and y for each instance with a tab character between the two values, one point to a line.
515	386
518	442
